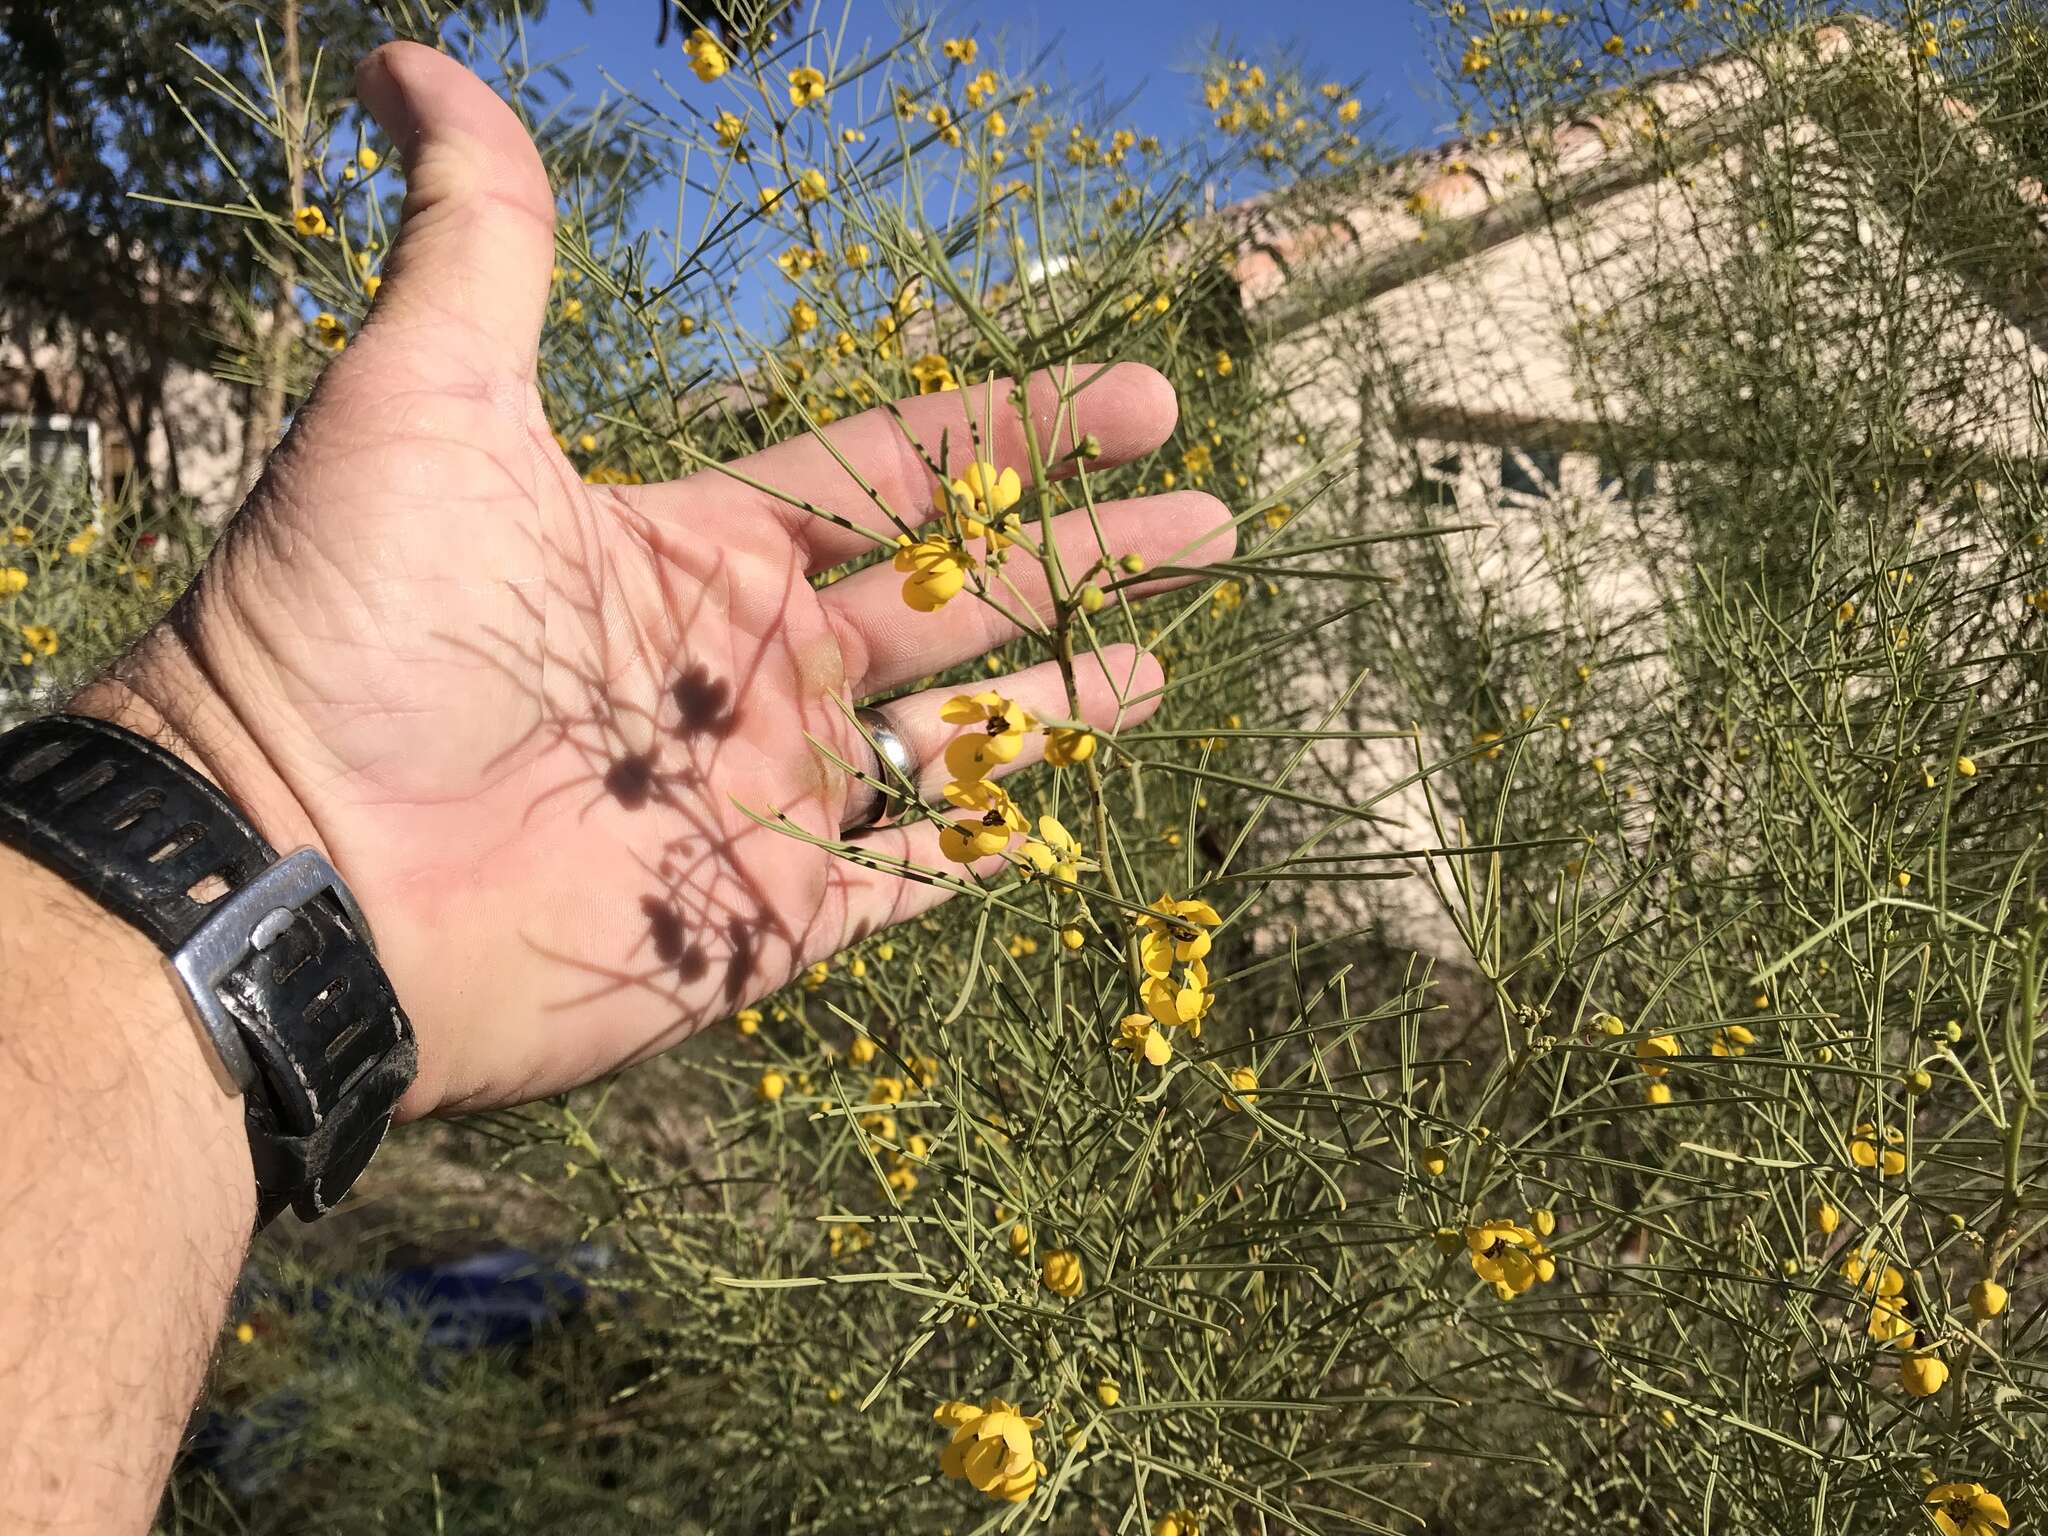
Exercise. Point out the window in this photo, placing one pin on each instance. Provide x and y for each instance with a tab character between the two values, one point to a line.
1436	482
1531	471
1628	482
38	453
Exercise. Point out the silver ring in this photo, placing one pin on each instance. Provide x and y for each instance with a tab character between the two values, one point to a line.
896	767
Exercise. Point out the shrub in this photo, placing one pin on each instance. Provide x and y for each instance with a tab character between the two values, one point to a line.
1541	1026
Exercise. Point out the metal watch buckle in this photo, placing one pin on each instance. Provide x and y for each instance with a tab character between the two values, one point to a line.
250	919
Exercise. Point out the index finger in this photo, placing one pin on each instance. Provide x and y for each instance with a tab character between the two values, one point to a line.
867	467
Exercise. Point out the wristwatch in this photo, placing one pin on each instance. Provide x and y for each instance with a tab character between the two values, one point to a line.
272	957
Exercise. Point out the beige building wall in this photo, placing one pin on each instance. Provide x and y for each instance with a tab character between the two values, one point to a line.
198	432
1470	361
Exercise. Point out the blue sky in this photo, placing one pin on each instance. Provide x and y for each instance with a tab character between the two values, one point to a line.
1149	47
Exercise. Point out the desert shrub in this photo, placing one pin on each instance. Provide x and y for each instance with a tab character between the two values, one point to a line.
1540	1026
79	579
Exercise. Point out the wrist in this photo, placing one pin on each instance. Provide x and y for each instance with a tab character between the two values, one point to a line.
164	692
202	688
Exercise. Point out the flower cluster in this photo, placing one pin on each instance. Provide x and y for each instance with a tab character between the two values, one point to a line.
1508	1256
991	1448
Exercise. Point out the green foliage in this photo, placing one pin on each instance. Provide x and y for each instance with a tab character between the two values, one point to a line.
1602	1065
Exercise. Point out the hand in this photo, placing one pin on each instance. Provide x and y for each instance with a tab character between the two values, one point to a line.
526	717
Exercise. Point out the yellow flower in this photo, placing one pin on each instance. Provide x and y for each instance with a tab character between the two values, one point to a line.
572	309
1987	1299
1065	747
1244	1083
1889	1323
1825	1218
1865	1153
937	569
1108	1393
812	186
748	1021
40	638
1652	1053
309	221
862	1051
981	497
1180	1005
1922	1375
961	50
368	158
887	1090
1434	1161
1508	1257
1224	365
329	331
1176	930
1177	1522
13	579
1137	1035
991	1448
981	87
1055	851
371	284
988	831
771	1086
1062	1273
1348	113
934	375
806	85
21	533
707	56
1020	1240
730	128
1965	1509
81	543
1657	1094
1732	1041
1004	725
1871	1272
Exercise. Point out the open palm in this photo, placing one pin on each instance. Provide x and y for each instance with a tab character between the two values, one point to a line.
529	718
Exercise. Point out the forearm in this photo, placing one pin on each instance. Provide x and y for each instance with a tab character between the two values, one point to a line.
126	1203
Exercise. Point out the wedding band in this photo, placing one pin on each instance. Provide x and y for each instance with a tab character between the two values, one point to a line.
896	768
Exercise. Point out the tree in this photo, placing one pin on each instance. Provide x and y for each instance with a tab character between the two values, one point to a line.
96	105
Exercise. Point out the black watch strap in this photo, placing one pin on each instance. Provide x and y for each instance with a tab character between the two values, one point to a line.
274	959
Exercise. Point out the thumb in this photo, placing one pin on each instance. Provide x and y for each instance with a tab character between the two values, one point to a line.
476	244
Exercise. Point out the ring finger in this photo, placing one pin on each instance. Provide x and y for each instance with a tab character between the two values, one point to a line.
1115	687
